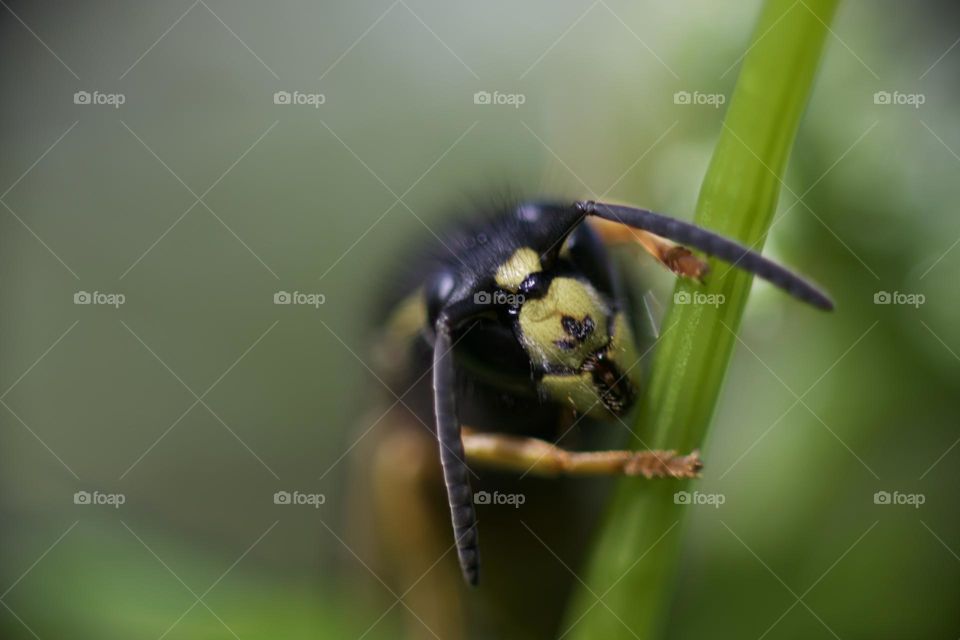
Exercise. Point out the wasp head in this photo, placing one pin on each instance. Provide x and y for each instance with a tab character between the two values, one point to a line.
581	348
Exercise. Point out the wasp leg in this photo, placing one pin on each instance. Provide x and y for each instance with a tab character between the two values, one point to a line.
541	458
413	532
673	256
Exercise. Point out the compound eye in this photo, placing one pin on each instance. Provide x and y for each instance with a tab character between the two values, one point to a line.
535	285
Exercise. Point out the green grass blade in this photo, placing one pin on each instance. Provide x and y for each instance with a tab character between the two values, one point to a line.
633	565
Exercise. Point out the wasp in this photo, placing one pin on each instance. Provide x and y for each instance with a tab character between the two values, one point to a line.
519	326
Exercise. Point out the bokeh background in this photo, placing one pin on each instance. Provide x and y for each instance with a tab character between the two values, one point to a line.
199	198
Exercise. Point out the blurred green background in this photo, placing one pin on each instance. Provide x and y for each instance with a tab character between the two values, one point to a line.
199	198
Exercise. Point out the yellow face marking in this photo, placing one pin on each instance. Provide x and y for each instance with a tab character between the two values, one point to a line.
521	264
564	327
578	391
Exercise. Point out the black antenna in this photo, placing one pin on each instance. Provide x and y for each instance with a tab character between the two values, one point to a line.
455	472
711	244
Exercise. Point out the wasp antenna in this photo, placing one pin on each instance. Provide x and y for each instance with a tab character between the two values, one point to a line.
452	458
711	244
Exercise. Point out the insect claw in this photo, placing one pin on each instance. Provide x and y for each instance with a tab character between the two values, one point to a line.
664	464
682	262
695	463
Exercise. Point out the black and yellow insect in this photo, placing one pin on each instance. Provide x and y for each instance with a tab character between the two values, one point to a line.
520	323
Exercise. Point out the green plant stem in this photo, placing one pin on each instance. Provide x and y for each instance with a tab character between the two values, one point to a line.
633	565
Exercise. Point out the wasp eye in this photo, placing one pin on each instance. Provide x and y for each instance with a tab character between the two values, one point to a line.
535	285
